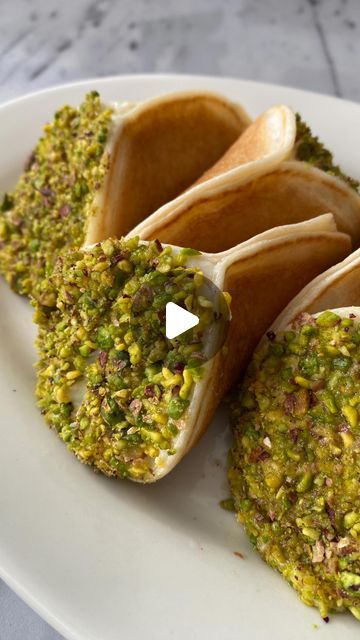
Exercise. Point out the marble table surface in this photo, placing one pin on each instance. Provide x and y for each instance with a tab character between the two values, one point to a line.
310	44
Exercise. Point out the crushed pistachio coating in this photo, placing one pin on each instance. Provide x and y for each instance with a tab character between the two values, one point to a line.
295	462
54	196
308	148
105	339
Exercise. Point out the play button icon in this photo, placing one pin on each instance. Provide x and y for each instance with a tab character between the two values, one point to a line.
178	320
195	337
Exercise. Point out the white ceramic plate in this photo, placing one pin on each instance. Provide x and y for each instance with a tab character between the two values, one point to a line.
102	559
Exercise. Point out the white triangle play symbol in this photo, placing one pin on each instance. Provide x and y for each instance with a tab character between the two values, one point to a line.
178	320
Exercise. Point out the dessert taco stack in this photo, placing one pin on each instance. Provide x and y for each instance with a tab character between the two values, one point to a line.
94	233
126	399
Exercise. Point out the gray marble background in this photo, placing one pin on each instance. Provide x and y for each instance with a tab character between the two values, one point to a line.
311	44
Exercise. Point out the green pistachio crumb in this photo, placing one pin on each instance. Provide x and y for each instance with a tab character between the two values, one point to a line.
310	149
228	504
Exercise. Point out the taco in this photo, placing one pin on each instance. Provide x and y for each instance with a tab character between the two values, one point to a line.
125	398
294	470
98	161
276	173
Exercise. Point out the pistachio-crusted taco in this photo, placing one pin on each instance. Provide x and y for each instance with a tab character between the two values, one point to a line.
122	396
294	469
98	163
108	332
276	173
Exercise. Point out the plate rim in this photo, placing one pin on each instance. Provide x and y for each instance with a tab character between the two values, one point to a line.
138	77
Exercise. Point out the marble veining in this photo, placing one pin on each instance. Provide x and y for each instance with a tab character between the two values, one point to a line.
311	44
